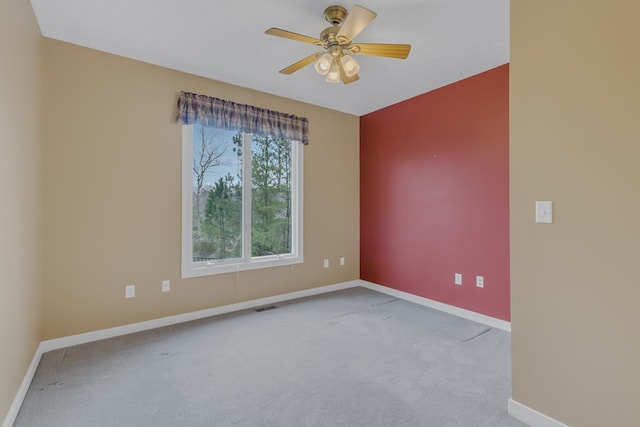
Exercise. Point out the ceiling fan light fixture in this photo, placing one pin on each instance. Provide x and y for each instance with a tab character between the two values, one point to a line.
323	64
335	63
333	76
350	66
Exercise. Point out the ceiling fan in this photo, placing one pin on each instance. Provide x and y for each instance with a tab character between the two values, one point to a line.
337	40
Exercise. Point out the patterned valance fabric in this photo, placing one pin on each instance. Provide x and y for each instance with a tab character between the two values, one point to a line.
214	112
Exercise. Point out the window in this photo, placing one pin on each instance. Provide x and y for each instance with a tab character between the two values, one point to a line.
241	201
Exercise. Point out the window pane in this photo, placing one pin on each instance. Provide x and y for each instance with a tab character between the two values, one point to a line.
271	196
217	194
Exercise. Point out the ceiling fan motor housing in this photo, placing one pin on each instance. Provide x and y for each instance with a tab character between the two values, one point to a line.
328	35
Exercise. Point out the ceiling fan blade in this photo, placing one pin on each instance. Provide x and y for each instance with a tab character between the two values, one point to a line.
398	51
356	21
300	64
293	36
346	79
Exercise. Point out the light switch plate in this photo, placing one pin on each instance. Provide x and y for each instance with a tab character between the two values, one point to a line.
544	212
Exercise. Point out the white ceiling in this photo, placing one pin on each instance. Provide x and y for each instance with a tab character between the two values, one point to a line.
225	41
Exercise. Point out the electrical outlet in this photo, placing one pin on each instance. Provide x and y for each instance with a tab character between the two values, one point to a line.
130	291
326	263
341	260
166	286
457	279
480	281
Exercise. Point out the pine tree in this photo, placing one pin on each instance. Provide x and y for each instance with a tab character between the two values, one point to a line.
222	224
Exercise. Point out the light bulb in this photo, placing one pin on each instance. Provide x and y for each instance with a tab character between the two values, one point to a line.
323	64
350	66
333	76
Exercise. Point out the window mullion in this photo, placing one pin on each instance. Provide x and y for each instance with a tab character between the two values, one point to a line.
246	196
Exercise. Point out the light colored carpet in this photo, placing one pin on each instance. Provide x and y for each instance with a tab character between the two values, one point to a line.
349	358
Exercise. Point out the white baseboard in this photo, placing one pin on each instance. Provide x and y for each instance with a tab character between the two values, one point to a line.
101	334
10	418
530	416
456	311
58	343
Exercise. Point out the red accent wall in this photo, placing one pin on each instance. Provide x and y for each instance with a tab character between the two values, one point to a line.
434	188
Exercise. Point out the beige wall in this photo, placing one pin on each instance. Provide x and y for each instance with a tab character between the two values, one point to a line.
112	195
575	139
21	194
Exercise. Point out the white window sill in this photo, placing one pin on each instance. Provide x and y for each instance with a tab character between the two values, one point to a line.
221	267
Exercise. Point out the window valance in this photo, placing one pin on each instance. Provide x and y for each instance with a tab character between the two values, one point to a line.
214	112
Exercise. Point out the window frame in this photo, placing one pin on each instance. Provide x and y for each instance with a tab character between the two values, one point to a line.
246	262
